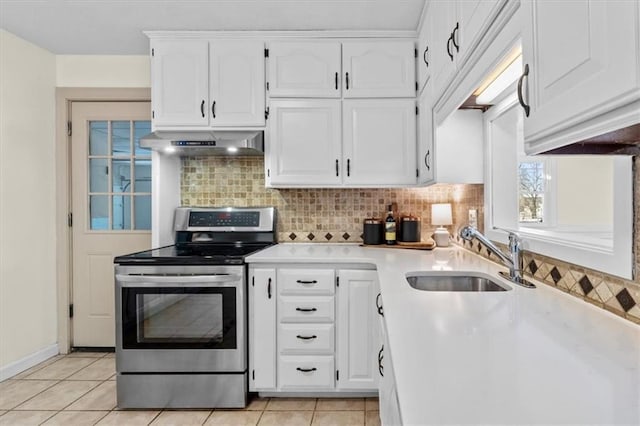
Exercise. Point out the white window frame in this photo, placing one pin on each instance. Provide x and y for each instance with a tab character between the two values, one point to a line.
615	259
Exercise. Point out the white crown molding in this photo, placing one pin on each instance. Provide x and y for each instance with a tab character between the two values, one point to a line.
280	34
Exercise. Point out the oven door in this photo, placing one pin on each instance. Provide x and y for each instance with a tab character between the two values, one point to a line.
181	321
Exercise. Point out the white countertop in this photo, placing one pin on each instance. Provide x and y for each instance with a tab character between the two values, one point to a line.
526	356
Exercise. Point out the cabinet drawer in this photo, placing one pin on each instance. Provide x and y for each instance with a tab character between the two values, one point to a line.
306	281
306	309
306	372
306	338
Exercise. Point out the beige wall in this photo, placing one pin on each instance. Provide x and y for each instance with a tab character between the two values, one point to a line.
27	202
103	71
588	200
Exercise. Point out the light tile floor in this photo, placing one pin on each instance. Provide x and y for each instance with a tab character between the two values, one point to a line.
79	389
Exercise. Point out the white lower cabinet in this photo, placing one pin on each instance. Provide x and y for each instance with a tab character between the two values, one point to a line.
306	338
262	329
357	320
387	393
306	372
312	329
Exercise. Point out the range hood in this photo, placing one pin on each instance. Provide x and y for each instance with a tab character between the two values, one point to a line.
185	143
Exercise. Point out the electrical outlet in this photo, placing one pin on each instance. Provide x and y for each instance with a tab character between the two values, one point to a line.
473	218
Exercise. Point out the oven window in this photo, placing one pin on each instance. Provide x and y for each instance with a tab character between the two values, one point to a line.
179	318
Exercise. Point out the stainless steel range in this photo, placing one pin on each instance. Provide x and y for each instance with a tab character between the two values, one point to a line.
181	312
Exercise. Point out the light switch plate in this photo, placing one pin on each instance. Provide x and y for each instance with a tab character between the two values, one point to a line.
473	218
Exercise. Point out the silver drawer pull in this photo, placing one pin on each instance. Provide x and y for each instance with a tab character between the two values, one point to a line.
306	337
306	309
306	370
307	282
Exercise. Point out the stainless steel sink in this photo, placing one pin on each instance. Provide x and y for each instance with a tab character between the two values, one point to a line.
466	282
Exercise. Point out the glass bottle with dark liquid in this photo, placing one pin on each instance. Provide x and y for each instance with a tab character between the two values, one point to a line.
390	228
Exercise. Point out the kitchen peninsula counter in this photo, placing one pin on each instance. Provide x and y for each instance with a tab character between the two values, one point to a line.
524	356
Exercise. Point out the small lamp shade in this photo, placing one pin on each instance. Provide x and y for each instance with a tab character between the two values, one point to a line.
441	215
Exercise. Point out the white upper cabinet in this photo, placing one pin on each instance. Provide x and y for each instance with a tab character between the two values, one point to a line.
180	81
309	69
582	59
379	69
474	17
236	89
426	156
456	29
424	64
202	83
379	141
305	145
442	20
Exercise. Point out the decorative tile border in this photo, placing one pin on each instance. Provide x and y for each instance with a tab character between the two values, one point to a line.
619	296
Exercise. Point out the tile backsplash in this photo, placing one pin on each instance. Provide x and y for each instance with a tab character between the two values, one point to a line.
336	215
317	215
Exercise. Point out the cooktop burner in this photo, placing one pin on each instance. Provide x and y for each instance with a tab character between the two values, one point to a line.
193	254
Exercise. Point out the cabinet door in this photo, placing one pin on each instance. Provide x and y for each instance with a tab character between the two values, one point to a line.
237	83
379	69
262	329
425	137
583	61
425	52
308	69
357	325
379	141
304	142
474	17
180	83
442	19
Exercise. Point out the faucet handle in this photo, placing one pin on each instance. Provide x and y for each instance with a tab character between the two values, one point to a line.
514	237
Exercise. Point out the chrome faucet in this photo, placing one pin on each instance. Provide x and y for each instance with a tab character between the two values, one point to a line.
513	260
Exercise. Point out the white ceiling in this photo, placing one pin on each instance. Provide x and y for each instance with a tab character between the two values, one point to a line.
115	26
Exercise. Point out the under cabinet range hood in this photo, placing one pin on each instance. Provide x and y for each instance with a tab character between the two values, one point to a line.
196	142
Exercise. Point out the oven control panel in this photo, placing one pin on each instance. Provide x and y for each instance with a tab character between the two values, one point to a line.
225	219
217	219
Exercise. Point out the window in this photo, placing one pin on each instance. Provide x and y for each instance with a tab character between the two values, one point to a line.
531	191
573	208
119	176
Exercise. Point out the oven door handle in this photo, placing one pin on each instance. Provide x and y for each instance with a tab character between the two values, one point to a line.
167	281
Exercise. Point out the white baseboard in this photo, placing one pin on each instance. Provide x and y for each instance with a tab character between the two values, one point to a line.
28	361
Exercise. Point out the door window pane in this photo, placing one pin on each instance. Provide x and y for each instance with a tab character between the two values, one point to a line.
142	172
121	174
98	132
120	138
140	129
121	218
98	175
117	177
142	209
99	212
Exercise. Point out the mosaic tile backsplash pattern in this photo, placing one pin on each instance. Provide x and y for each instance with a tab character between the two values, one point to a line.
335	215
315	215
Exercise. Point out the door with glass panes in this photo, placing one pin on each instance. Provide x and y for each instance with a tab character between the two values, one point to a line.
111	208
